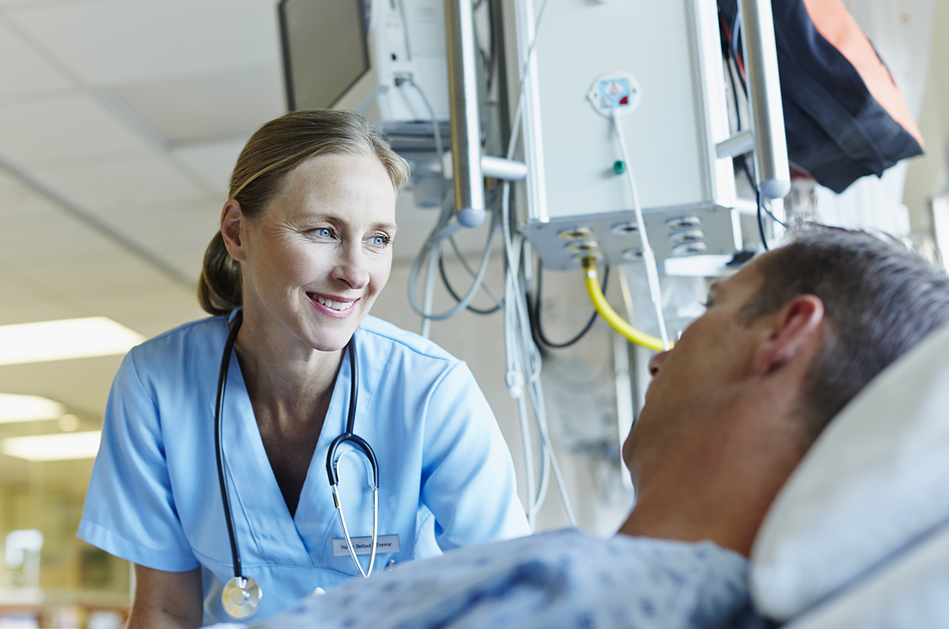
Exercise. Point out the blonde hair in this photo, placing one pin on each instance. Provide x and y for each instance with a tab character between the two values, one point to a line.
271	154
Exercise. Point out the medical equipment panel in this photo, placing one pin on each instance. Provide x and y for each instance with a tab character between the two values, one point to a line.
653	73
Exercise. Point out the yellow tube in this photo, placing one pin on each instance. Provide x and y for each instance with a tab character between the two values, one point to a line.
609	315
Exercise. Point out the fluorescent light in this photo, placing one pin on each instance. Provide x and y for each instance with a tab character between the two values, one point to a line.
67	338
56	447
25	408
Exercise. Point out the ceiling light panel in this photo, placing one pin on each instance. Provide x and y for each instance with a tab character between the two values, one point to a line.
56	447
107	42
25	408
64	339
22	70
72	127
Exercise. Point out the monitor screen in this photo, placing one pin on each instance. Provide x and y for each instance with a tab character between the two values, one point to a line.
324	50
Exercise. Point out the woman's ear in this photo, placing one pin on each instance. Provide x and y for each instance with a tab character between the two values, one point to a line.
798	325
233	229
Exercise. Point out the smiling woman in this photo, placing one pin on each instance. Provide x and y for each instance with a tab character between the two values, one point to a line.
218	499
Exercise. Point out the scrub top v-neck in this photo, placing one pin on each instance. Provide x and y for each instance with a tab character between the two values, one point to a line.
446	478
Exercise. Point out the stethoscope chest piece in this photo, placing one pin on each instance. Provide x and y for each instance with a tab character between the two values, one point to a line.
241	597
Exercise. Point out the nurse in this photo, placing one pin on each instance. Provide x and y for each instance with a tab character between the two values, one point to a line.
304	248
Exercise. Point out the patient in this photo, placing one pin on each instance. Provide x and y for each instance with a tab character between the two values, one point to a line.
785	344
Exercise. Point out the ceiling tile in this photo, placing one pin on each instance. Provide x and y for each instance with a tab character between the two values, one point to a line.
22	70
212	161
119	182
74	126
74	277
20	205
179	224
215	106
32	242
107	42
155	312
38	308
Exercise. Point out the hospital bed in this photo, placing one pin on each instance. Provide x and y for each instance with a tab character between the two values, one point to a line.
859	536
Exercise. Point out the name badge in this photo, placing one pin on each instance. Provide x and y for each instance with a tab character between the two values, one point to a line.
363	545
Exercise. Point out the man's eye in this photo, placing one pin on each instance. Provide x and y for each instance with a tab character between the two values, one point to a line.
323	232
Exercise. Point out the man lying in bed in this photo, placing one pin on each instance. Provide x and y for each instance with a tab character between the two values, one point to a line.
784	345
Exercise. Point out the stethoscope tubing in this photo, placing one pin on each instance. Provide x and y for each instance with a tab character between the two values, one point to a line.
249	602
332	460
218	440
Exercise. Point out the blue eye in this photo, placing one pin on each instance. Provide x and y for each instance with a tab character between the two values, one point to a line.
380	240
323	232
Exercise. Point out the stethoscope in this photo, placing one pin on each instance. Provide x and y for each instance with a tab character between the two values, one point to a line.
241	595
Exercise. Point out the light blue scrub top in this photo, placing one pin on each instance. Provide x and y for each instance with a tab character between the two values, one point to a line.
446	479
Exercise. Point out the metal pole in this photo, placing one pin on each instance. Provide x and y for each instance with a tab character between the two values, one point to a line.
465	114
761	63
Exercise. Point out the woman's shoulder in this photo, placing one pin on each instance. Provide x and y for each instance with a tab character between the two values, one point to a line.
183	342
403	340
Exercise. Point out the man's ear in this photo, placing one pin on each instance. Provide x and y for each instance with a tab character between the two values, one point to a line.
798	325
233	229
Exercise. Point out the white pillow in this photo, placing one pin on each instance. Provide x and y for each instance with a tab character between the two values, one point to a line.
875	480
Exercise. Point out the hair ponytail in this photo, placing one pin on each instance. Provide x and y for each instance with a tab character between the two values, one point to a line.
219	288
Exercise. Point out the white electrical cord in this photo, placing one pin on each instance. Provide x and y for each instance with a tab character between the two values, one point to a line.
431	250
652	270
524	363
522	356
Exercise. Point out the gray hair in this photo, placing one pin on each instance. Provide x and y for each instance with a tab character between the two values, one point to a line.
880	300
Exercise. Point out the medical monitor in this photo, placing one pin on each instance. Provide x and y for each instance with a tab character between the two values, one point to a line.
325	50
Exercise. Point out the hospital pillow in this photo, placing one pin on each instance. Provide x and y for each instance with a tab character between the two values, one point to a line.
876	480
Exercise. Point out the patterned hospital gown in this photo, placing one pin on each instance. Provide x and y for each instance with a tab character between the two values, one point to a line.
550	580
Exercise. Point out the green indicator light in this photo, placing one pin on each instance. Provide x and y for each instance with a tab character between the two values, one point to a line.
619	167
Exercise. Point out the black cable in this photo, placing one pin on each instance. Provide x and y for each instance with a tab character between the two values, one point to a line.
451	291
764	241
537	329
743	163
218	440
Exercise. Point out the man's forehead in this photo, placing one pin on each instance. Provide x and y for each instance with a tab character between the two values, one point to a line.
748	278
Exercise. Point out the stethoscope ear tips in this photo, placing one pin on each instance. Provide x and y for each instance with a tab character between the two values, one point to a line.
241	597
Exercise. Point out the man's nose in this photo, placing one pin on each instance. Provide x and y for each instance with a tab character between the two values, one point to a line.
655	363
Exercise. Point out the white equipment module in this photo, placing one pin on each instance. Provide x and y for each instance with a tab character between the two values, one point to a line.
655	70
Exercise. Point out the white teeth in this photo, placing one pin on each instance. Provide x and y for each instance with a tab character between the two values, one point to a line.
335	305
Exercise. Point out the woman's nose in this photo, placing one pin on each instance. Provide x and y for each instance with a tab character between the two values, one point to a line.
351	268
655	363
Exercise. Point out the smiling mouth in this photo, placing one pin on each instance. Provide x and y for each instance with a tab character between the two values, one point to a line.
340	306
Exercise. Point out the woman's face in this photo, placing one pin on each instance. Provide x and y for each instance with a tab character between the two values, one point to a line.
315	260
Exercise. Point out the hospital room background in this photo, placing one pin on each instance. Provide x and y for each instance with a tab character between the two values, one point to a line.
120	121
